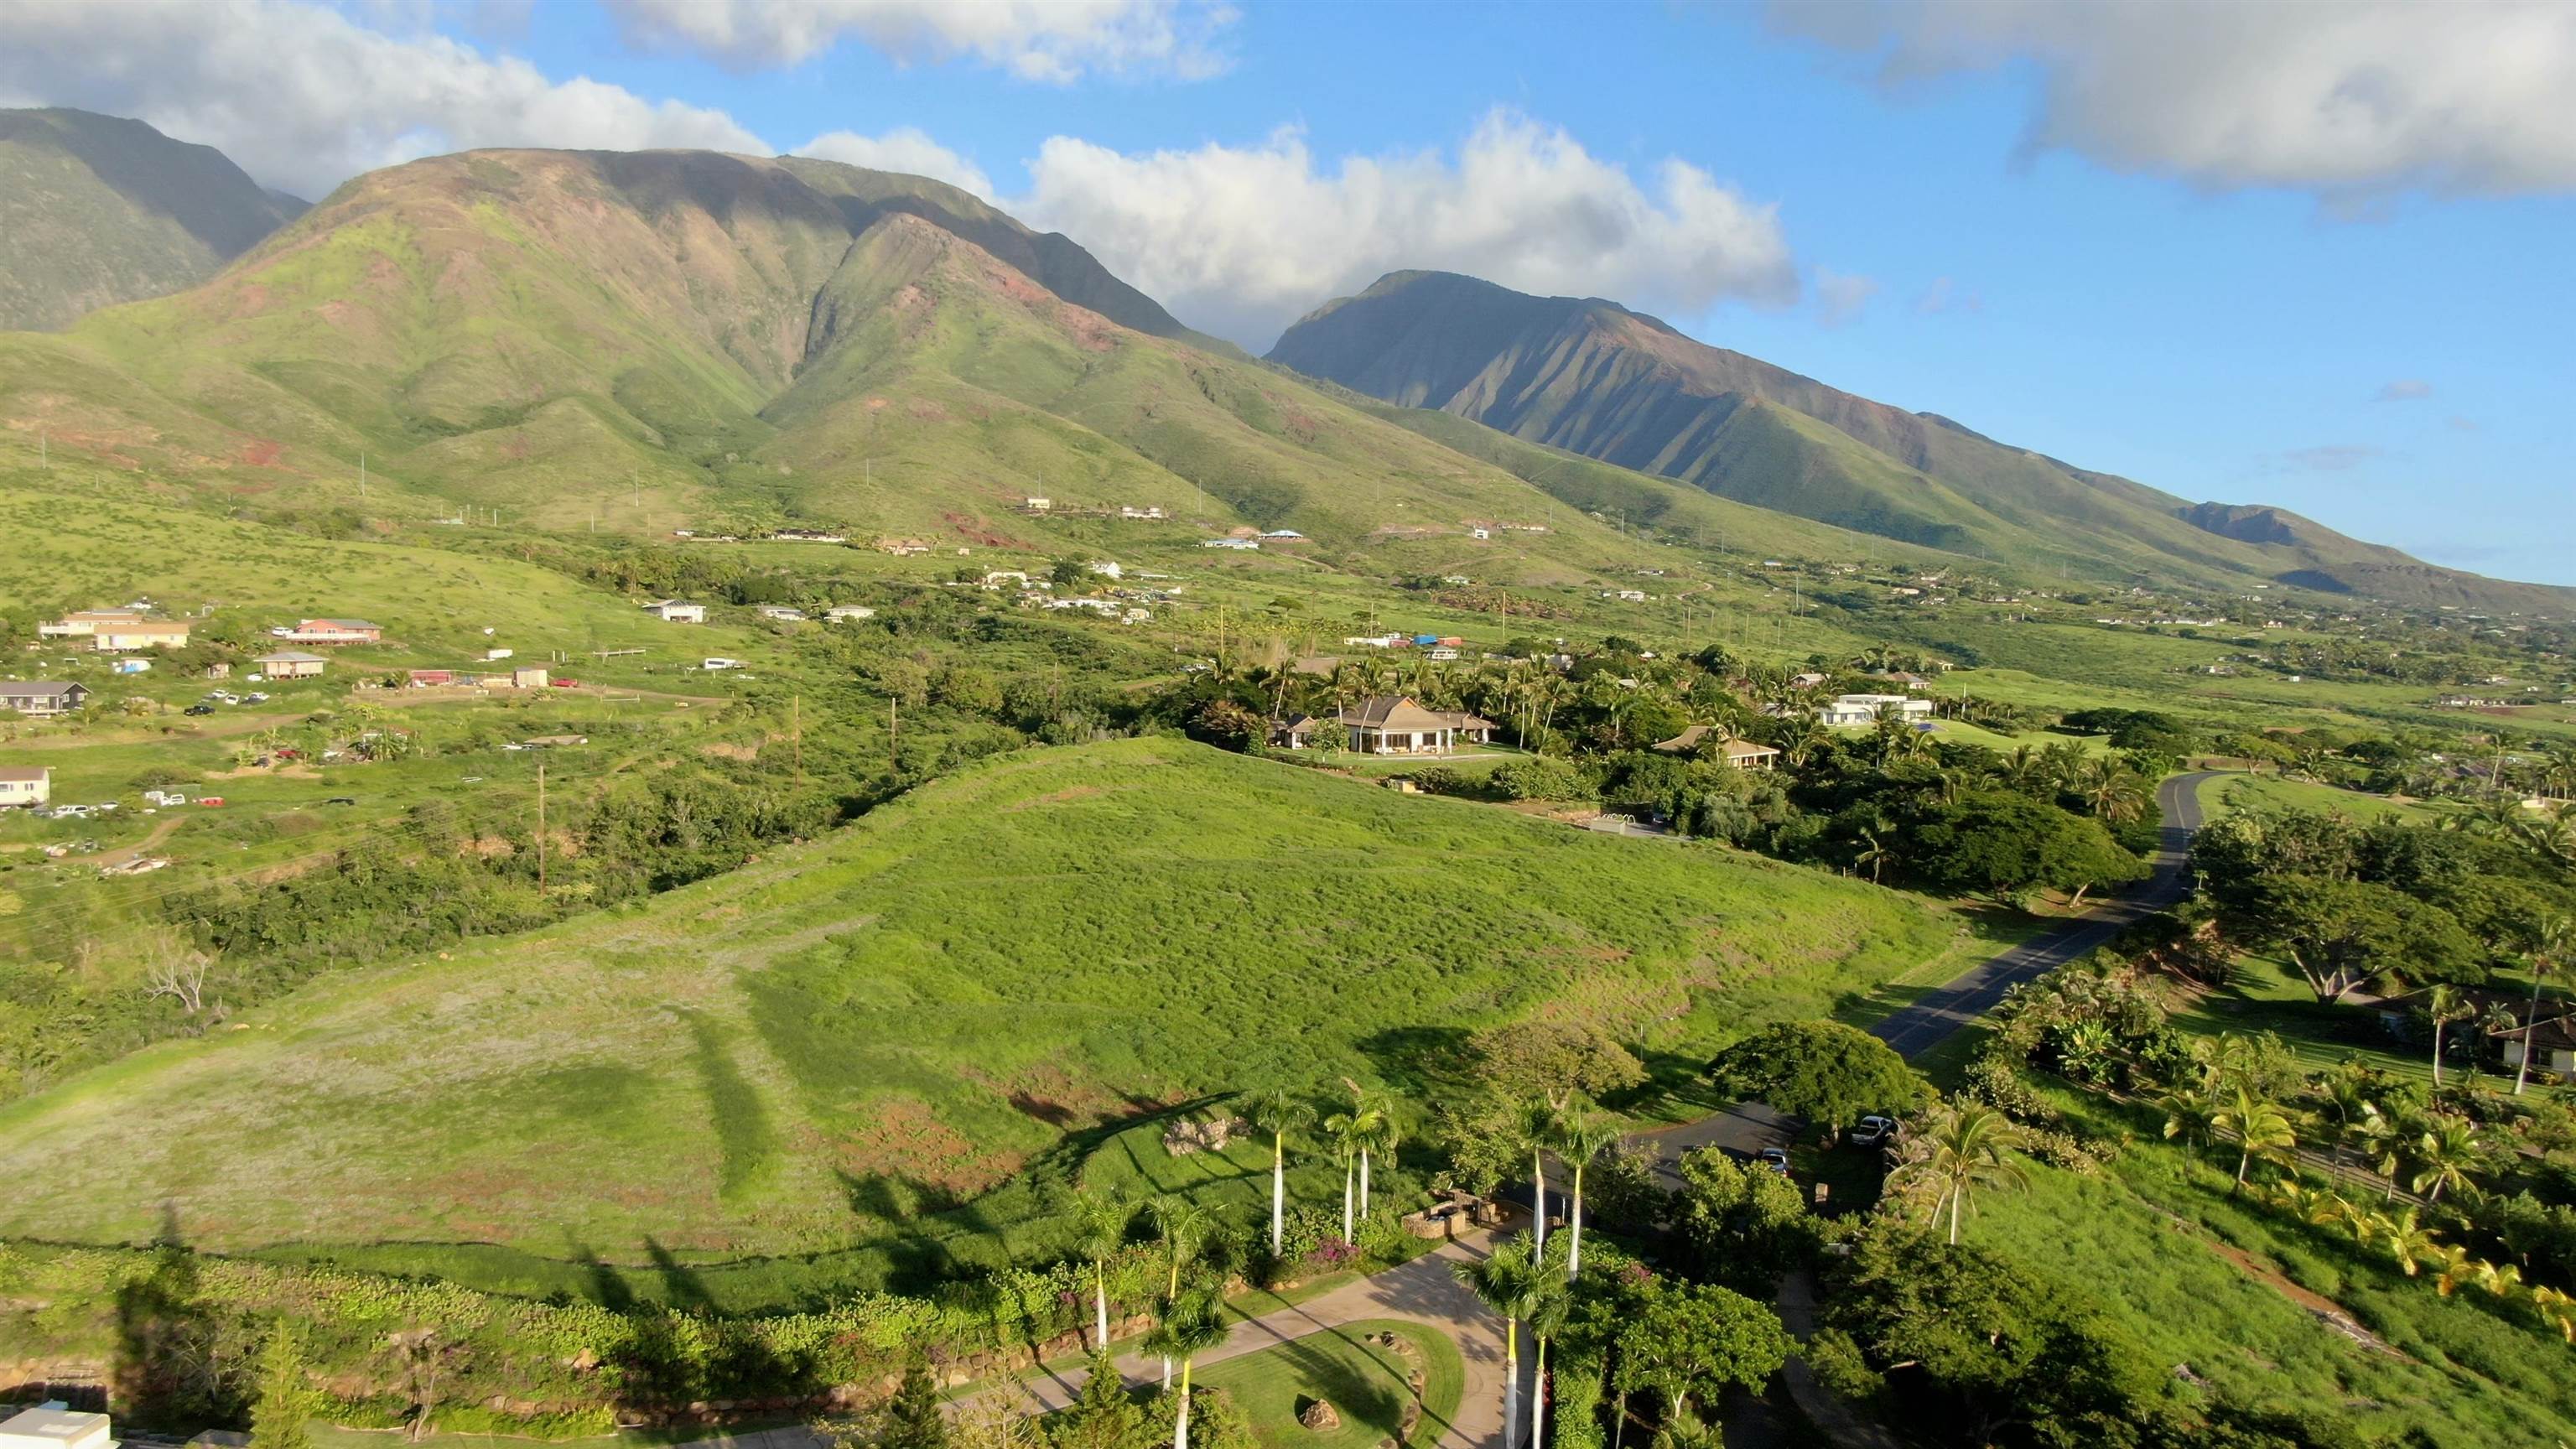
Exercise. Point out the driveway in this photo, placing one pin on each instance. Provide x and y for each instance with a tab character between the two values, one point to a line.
1929	1022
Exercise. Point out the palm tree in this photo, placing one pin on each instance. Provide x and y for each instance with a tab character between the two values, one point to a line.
1182	1225
1966	1149
1103	1222
1278	1113
1189	1328
2407	1240
2445	1005
1873	855
2445	1155
1344	1135
1550	1302
1580	1137
1537	1130
2550	937
2257	1122
1507	1281
1376	1132
2192	1119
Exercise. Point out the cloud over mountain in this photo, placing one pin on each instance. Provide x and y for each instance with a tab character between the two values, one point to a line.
1240	240
301	97
906	149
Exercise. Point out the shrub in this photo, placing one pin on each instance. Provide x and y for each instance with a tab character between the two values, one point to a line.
1540	779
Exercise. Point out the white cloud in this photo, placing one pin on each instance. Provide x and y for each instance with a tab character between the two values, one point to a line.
1045	40
2404	389
1944	296
303	98
1841	297
2353	100
1242	240
2330	457
906	149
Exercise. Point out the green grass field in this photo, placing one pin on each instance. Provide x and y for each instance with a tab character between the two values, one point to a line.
2255	792
1366	1382
895	1044
2202	1278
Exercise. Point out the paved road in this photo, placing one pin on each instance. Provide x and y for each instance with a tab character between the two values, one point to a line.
1929	1022
1424	1291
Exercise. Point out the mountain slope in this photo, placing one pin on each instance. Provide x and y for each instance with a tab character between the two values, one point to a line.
660	338
96	210
1594	378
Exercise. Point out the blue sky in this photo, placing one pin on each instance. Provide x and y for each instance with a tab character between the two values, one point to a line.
2321	263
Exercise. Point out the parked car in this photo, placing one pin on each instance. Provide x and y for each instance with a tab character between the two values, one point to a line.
198	709
255	697
1776	1159
341	800
1873	1131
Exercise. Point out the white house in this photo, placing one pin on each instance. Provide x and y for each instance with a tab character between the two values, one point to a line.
25	785
1861	709
673	611
85	623
1242	545
840	612
290	664
55	1425
782	613
1107	568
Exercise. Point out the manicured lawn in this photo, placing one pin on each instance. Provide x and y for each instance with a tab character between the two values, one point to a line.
1366	1382
2224	793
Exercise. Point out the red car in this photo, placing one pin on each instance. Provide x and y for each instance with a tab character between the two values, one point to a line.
211	801
565	683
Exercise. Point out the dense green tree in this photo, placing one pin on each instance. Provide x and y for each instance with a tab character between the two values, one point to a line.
2000	844
912	1419
281	1418
2340	933
1820	1070
1103	1416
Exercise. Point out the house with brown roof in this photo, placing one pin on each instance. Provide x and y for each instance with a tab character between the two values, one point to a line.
290	664
42	698
2553	1046
332	631
1392	724
1742	754
25	785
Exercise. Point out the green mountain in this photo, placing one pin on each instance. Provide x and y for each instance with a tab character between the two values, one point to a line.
659	339
1594	378
96	210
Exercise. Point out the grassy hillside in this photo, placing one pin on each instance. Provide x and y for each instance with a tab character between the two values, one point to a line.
96	210
826	1048
1592	377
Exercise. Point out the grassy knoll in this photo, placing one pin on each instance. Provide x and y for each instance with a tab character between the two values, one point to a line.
2215	1281
1365	1381
895	1045
2224	793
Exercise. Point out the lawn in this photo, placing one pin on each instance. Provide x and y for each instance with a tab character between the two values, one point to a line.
2144	1240
2224	793
1365	1381
882	1057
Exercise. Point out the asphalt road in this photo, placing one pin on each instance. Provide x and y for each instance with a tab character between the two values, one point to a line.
1927	1023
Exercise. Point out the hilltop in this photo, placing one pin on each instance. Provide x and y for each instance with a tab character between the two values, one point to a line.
99	210
1595	378
818	1049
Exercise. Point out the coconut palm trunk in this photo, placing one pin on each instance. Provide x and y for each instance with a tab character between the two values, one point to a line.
1100	1304
1538	1201
1573	1234
1349	1227
1538	1398
1278	1192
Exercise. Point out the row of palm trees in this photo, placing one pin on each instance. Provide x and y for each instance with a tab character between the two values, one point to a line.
2414	1248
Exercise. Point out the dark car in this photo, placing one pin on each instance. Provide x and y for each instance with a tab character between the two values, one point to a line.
198	709
341	800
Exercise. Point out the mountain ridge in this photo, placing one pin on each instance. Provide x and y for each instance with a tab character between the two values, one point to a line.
1596	378
101	209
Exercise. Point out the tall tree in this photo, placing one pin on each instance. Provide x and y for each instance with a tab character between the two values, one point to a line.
1580	1137
1549	1302
1506	1281
1190	1327
2258	1124
1278	1113
1102	1221
1183	1225
1536	1128
2550	939
1966	1149
2445	1156
1821	1070
2444	1005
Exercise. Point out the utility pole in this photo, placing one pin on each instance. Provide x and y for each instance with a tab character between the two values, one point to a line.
541	827
362	477
796	735
894	727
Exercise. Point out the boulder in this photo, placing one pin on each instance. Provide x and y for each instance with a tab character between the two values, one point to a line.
1320	1416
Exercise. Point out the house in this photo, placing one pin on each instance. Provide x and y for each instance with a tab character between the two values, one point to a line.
1809	680
902	547
840	612
995	578
1242	545
1480	533
495	656
1902	679
1039	505
55	1425
428	678
1390	724
1861	709
117	638
2553	1041
1742	754
529	676
25	785
1297	733
807	535
782	613
1283	534
84	624
333	631
290	664
673	611
42	698
1441	653
1107	568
